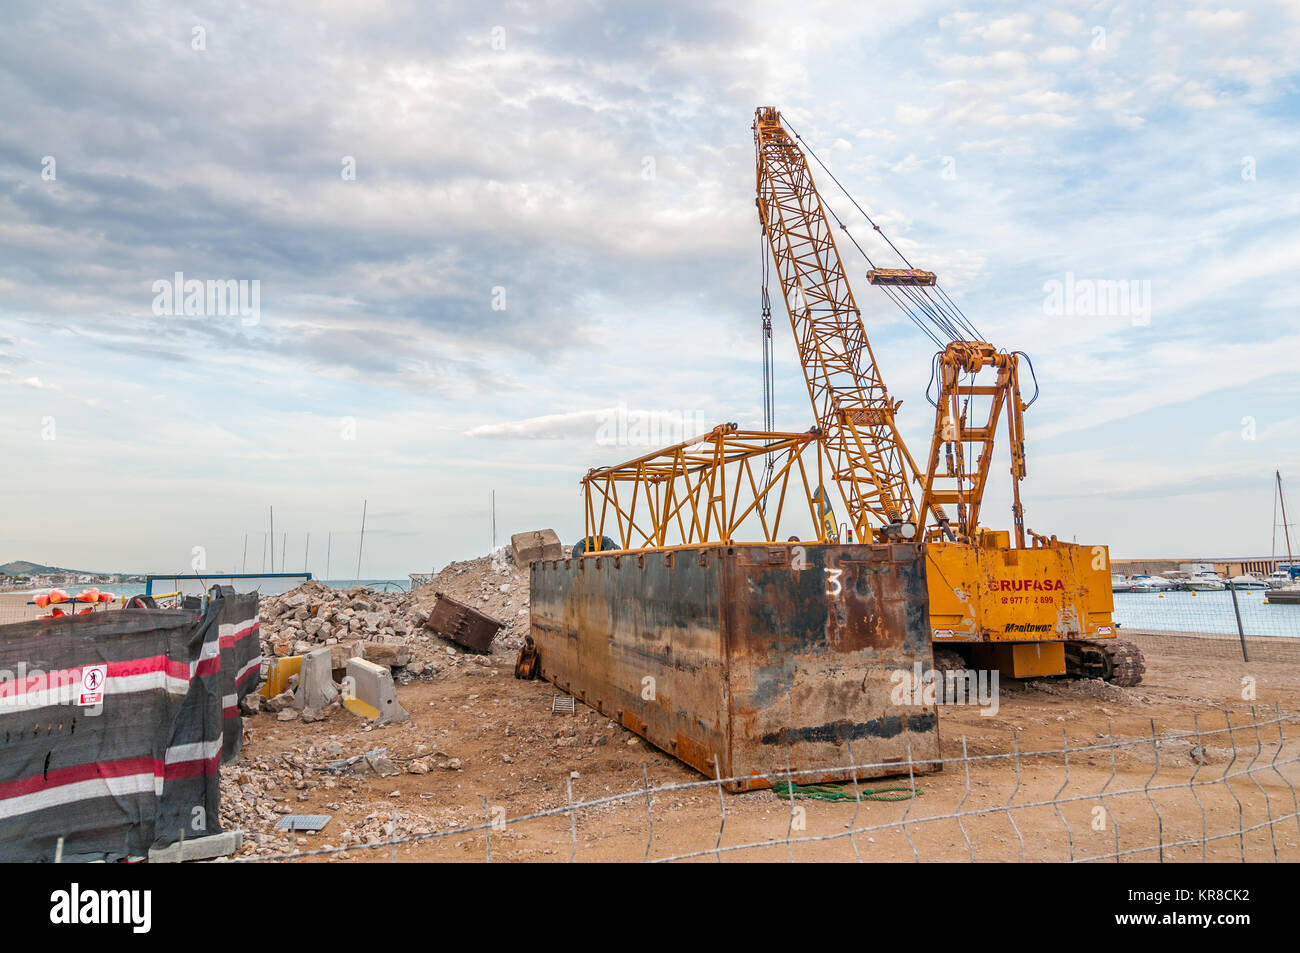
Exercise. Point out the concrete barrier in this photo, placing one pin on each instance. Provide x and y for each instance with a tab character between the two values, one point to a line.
369	691
316	687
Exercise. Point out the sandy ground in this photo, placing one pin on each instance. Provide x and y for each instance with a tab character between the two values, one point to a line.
510	756
14	607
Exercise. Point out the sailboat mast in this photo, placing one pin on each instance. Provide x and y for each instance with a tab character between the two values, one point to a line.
1286	530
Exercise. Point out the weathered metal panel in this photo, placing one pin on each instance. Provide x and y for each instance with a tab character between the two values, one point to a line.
733	658
462	624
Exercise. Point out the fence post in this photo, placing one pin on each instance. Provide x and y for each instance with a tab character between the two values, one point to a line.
1236	610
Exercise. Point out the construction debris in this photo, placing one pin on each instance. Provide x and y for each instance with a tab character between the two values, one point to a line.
529	663
379	762
539	544
463	625
388	628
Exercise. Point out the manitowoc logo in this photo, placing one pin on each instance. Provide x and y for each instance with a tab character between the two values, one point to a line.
1025	585
1028	627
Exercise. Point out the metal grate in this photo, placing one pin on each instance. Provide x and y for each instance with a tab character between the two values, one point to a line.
562	704
310	823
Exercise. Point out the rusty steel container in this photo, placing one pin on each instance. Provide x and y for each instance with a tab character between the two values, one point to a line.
748	653
463	625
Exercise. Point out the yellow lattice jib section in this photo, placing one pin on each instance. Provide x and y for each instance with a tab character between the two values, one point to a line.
714	488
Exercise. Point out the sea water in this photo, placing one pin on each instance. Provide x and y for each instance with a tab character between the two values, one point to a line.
1205	612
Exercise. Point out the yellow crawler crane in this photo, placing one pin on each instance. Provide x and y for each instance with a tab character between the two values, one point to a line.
1029	610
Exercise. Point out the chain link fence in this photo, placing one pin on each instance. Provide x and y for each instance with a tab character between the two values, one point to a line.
1232	623
1223	791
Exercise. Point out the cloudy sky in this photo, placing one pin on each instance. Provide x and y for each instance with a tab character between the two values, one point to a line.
476	228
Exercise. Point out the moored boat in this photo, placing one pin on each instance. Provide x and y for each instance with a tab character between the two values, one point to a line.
1279	578
1247	581
1158	583
1290	596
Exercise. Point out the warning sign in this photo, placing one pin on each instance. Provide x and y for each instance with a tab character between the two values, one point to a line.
92	684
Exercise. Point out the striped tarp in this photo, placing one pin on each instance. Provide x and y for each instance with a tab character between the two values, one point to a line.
113	725
241	662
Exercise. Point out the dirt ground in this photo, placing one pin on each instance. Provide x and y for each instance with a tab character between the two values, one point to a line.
499	752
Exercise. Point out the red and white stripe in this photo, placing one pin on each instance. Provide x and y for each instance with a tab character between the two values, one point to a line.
82	782
62	687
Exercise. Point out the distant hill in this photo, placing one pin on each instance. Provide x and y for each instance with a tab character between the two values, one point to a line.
21	567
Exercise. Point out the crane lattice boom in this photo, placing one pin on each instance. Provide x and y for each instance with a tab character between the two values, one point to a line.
868	457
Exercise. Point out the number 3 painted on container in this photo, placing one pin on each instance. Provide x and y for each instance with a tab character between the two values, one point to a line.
834	589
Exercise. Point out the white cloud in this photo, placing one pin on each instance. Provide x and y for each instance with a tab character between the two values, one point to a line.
1007	30
911	115
1218	21
1058	55
1062	22
580	423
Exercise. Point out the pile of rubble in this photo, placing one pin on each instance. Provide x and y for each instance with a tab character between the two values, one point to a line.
388	627
383	627
257	792
495	585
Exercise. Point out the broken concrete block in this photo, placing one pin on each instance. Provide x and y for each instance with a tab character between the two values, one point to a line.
370	693
382	765
316	687
383	653
342	651
539	544
198	848
280	702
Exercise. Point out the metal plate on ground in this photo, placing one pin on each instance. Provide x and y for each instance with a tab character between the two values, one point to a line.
303	823
563	704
